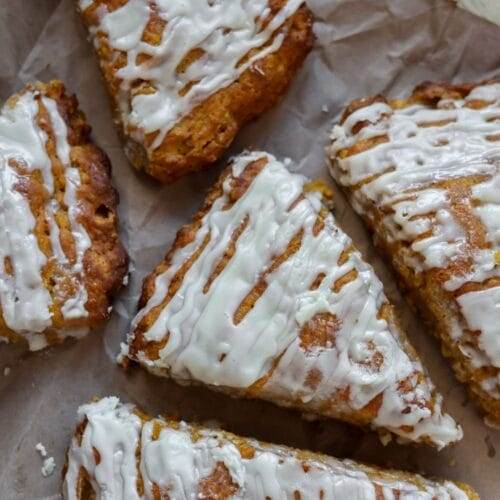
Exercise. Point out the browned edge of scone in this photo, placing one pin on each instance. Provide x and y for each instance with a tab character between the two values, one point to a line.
105	261
424	292
200	138
247	450
311	334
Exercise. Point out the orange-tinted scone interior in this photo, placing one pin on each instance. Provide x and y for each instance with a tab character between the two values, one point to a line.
186	76
424	172
262	295
61	258
166	459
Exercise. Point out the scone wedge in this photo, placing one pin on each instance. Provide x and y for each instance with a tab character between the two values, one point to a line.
184	76
61	259
424	173
262	295
165	459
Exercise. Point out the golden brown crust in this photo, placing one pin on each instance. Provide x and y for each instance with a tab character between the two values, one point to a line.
105	261
200	138
425	290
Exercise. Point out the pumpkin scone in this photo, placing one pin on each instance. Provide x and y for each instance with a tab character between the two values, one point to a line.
424	173
184	76
120	453
264	296
61	259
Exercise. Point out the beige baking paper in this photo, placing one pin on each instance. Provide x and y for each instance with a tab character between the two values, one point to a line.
363	47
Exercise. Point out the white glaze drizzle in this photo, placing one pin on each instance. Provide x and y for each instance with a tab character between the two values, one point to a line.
481	310
178	464
114	431
175	463
205	344
73	307
226	30
405	169
24	299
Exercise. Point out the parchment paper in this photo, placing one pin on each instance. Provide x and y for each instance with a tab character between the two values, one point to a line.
363	47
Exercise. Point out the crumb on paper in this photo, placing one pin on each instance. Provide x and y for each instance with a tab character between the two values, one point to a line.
49	464
126	278
6	371
48	467
41	449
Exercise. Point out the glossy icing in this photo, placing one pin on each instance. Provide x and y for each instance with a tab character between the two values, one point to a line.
26	304
178	459
204	341
405	175
222	32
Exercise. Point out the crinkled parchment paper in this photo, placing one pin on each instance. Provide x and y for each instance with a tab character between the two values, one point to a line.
363	47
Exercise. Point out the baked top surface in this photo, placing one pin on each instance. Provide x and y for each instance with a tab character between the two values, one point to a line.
265	296
185	75
169	459
426	170
60	257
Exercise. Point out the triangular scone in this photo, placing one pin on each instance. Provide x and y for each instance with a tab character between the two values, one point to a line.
262	295
61	260
120	453
185	75
424	173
